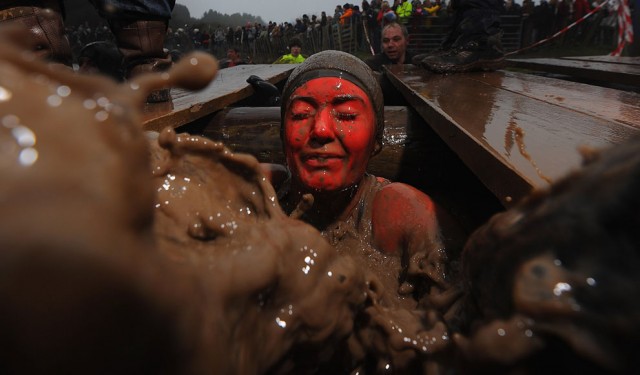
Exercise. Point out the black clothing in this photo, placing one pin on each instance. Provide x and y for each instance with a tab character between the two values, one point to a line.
389	92
378	60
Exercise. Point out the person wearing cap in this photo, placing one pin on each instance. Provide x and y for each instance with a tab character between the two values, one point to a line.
332	123
139	29
295	53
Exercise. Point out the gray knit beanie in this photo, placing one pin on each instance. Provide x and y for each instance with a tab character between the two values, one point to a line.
337	64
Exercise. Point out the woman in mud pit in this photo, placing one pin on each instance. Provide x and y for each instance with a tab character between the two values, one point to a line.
332	124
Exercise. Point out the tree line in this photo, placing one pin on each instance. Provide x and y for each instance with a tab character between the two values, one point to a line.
81	11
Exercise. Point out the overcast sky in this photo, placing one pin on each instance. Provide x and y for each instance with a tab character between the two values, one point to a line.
269	10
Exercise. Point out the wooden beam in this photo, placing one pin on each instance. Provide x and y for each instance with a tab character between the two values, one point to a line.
229	87
620	70
514	131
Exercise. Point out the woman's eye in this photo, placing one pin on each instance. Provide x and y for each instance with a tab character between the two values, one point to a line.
299	116
345	116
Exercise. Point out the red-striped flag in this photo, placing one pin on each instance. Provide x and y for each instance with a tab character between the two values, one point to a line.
625	27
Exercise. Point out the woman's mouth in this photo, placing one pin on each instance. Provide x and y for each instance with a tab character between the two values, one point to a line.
321	159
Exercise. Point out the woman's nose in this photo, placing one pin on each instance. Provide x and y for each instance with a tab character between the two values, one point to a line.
323	126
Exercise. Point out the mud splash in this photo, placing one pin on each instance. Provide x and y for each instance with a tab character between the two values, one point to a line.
169	254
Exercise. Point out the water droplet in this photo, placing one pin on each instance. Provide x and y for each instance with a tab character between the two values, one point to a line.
102	101
28	156
281	323
5	95
102	116
24	136
54	100
89	104
528	333
561	288
64	91
10	121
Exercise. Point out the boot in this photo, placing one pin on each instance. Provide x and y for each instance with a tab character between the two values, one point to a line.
142	46
484	53
43	19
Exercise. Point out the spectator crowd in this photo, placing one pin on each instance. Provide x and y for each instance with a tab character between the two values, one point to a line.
263	43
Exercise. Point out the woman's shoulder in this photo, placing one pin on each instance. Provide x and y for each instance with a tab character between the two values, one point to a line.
401	191
400	215
403	204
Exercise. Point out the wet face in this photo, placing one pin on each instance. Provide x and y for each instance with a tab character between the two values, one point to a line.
329	133
394	43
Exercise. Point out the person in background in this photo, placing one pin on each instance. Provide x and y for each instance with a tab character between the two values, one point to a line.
337	13
101	57
395	40
139	28
474	42
404	11
295	53
431	9
386	15
374	30
345	18
233	59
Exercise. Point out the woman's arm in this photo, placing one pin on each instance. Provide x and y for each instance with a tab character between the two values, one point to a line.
404	220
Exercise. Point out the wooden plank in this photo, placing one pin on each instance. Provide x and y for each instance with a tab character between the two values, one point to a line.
607	59
513	134
229	86
612	105
600	69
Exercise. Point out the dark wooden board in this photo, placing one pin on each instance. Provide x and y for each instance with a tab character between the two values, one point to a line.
618	106
620	70
606	59
517	131
228	87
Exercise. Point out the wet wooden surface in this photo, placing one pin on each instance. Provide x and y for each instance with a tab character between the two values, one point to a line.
229	86
518	131
616	69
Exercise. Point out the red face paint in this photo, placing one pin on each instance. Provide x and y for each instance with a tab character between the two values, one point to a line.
329	133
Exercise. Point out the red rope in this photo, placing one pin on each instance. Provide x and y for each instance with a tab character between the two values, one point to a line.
557	34
625	27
